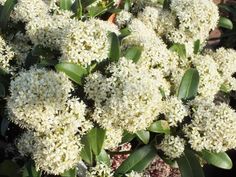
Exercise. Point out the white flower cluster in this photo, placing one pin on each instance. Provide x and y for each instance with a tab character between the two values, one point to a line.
172	146
174	111
100	170
212	127
128	99
195	20
6	55
40	102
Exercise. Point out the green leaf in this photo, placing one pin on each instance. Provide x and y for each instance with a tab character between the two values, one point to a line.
30	171
86	152
9	168
104	157
189	84
5	13
2	91
114	54
179	49
4	126
221	160
124	33
160	126
144	136
74	71
189	165
226	23
70	173
95	11
197	45
65	4
127	5
134	54
166	4
138	160
96	138
77	8
127	137
86	3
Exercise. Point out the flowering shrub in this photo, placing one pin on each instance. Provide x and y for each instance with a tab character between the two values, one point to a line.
80	78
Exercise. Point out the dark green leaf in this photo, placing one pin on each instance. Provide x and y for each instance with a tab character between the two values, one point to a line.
189	165
70	173
127	137
134	54
179	49
65	4
74	71
127	5
197	45
221	160
104	158
114	54
138	160
2	91
96	138
86	3
77	8
4	126
86	153
160	126
30	171
189	84
166	4
96	10
5	13
124	32
9	168
226	23
144	136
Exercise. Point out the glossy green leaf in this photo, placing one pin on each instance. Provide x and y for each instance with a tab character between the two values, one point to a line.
77	8
9	169
65	4
134	54
179	49
114	54
197	45
2	91
30	171
138	160
127	137
4	126
5	13
96	138
144	136
86	3
95	11
124	33
226	23
104	158
70	173
86	152
189	165
189	84
221	160
160	126
74	71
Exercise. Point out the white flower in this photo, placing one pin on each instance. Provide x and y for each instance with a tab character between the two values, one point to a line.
100	170
136	174
6	55
123	18
113	138
87	41
172	146
26	143
36	97
57	151
174	111
130	99
213	127
196	19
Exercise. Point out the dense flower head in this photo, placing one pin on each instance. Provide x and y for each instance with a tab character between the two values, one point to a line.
57	151
225	58
87	41
128	99
26	143
100	170
172	146
6	55
113	138
174	111
196	19
123	18
212	127
36	96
